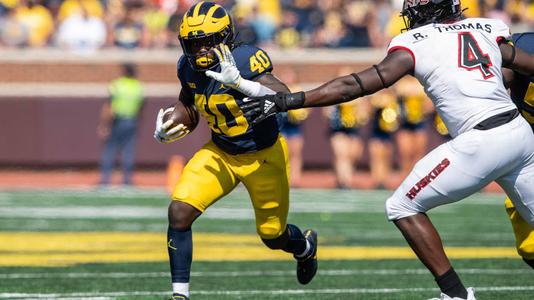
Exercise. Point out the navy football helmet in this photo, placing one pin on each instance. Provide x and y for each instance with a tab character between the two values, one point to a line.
204	26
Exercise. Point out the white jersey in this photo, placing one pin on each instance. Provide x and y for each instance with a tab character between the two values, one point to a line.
459	65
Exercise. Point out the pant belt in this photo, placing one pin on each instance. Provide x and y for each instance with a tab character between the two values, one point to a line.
497	120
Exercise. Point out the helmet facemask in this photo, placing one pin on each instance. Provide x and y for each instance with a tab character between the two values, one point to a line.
199	49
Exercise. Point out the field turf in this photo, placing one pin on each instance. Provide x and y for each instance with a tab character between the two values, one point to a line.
110	244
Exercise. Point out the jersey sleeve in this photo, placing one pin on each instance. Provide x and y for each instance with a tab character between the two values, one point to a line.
186	94
501	31
252	61
401	42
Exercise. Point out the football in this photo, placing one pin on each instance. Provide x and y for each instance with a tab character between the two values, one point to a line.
182	114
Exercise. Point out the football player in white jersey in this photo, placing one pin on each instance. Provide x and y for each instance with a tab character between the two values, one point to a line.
458	61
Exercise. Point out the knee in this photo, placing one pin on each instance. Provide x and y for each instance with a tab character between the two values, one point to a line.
269	227
397	209
181	215
276	243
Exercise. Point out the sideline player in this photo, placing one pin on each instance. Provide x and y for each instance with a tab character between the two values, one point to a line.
458	61
255	155
522	93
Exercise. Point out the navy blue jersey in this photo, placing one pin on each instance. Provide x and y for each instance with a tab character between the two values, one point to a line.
522	87
221	105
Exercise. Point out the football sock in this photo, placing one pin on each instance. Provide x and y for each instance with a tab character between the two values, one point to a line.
305	252
297	243
450	284
180	248
181	288
529	262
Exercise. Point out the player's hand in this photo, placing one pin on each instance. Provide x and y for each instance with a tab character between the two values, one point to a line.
163	134
229	74
103	131
257	109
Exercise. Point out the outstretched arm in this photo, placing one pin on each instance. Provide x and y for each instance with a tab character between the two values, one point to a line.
342	89
517	59
371	80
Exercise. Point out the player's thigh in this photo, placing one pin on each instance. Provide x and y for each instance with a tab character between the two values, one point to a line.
519	186
205	179
450	172
268	186
518	183
524	232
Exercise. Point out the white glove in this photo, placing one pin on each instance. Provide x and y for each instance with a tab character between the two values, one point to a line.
164	136
229	74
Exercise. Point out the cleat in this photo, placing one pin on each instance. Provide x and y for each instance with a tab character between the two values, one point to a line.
470	296
307	266
176	296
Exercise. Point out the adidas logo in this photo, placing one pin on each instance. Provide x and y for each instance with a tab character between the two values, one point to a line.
268	105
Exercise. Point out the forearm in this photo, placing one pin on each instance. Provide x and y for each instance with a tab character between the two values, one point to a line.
267	84
106	115
339	90
524	63
344	89
253	88
517	59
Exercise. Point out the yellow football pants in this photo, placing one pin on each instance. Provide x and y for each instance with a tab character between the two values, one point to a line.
524	233
212	173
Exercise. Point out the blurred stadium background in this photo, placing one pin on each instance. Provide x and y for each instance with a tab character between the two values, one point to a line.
58	229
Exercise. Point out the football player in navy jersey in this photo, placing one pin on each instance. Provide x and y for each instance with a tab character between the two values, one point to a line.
255	155
522	93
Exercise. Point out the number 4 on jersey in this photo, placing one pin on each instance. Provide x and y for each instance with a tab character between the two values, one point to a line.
471	57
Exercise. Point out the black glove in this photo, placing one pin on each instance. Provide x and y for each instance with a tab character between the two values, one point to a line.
257	109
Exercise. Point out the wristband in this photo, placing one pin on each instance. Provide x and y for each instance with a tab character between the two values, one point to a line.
295	100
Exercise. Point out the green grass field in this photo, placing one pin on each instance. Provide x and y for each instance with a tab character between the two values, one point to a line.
81	244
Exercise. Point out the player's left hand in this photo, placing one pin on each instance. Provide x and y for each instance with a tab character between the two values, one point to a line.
163	134
229	74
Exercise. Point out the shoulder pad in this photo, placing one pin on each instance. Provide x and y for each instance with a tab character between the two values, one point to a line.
252	61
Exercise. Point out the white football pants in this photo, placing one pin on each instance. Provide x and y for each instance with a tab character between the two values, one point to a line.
466	164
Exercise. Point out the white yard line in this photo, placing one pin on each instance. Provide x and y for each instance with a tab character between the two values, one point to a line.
385	272
249	292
